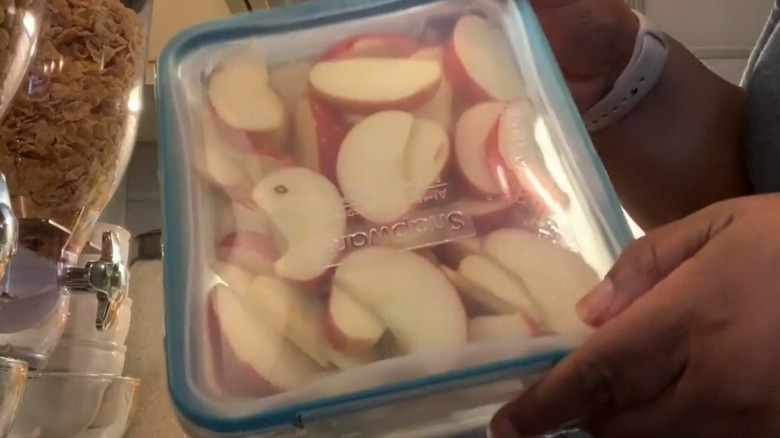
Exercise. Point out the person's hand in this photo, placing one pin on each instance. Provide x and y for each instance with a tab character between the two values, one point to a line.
593	40
688	344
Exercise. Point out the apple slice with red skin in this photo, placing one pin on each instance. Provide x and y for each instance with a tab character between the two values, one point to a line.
249	110
234	276
489	284
500	327
252	359
517	164
555	277
368	85
319	134
402	288
349	325
290	311
252	251
479	63
373	45
450	254
387	163
290	81
473	132
220	162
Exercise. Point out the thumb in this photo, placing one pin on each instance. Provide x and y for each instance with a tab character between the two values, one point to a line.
646	262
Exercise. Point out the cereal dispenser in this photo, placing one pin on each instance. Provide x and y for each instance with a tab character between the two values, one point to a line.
72	76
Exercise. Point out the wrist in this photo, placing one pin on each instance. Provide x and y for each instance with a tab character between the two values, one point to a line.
639	76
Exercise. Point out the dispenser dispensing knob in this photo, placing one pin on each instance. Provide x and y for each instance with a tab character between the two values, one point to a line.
107	278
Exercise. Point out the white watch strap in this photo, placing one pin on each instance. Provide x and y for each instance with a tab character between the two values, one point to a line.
642	72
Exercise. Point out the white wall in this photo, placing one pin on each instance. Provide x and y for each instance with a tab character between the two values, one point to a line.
721	32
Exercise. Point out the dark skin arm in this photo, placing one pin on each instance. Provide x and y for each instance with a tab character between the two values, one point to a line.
679	150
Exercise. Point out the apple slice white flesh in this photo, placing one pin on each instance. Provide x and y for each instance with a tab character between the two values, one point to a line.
403	289
426	154
290	82
294	314
253	358
235	277
451	253
240	95
439	108
498	327
388	161
492	287
351	327
365	85
555	277
319	134
254	252
471	141
479	63
308	217
220	162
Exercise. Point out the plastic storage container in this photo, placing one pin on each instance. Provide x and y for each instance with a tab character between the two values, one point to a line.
378	216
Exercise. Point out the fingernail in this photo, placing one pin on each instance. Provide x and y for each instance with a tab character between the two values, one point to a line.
502	429
593	307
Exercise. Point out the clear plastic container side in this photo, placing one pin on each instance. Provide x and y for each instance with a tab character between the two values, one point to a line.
70	130
369	202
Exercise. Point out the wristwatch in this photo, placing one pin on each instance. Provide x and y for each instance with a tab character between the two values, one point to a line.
640	75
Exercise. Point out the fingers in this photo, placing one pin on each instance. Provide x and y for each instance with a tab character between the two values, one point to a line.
643	264
625	364
660	418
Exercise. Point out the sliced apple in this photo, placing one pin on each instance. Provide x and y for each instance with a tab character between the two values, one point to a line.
290	82
373	45
500	327
296	315
238	218
319	134
253	360
308	217
452	253
254	252
388	161
555	277
439	108
367	85
235	277
349	325
472	134
479	63
353	119
258	165
515	159
494	288
487	216
243	101
402	289
220	163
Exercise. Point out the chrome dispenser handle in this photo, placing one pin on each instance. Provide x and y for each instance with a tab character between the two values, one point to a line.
106	277
9	228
